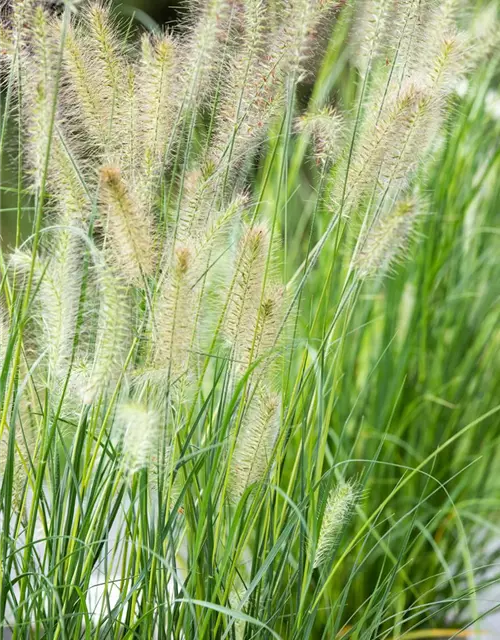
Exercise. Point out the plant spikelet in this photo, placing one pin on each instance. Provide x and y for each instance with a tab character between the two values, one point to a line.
97	79
202	218
255	443
326	127
107	47
48	157
302	22
57	279
406	37
64	274
138	429
39	90
221	222
130	229
250	102
265	327
176	315
67	182
391	145
7	51
370	29
250	97
484	34
338	511
84	88
246	288
156	105
204	50
113	337
448	63
386	239
197	202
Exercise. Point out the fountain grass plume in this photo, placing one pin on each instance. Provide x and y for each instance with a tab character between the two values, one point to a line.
338	511
255	442
128	228
383	244
114	332
326	126
138	432
174	237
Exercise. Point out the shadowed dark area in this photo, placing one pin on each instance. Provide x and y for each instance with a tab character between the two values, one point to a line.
163	12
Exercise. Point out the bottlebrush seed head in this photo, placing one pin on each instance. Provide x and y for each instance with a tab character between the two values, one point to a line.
129	229
263	336
57	279
326	128
246	288
39	91
299	35
391	144
114	330
372	28
252	455
138	430
386	239
176	316
338	511
204	50
156	104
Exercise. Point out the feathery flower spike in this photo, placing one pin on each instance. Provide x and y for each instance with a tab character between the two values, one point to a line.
338	511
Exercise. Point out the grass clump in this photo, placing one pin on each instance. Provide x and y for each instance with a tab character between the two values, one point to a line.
204	366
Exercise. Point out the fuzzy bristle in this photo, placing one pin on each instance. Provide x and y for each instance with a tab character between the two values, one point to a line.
39	89
130	229
113	337
156	105
246	289
390	146
57	279
338	511
83	89
176	315
385	241
369	35
204	50
326	127
250	97
303	21
138	430
255	443
104	41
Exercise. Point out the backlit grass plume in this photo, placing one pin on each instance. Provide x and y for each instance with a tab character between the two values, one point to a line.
326	128
383	243
138	432
128	228
251	308
338	511
253	453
